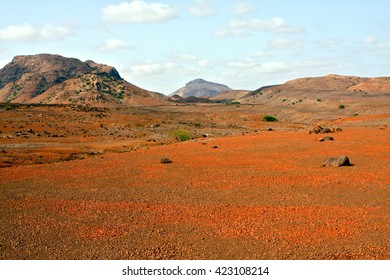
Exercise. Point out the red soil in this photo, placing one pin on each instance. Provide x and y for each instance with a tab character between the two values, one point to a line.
258	196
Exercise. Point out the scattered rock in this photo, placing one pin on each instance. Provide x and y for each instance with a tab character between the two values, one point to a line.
2	151
214	147
315	130
327	138
206	135
320	129
337	161
165	160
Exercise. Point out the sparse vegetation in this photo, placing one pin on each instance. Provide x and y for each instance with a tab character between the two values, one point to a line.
181	135
269	118
232	103
341	106
9	107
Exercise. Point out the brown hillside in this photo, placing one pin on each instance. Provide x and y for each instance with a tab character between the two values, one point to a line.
324	97
230	95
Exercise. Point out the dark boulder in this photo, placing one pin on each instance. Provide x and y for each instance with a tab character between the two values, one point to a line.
327	138
337	161
165	160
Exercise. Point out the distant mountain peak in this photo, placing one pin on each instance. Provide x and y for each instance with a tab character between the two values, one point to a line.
197	81
200	87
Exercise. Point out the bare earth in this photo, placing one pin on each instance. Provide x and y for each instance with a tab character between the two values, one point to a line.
97	189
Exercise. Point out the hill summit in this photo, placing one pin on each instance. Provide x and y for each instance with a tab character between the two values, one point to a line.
200	88
54	79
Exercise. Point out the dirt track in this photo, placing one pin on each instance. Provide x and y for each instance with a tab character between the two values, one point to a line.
257	196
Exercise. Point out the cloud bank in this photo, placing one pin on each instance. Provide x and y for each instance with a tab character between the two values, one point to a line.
137	11
28	33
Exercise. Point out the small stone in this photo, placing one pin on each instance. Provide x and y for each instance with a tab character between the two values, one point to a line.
165	160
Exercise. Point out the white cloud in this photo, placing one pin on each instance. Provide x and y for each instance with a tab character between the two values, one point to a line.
284	44
53	32
204	63
379	48
29	33
137	11
258	54
370	40
246	27
272	67
201	8
14	33
242	7
276	25
226	32
241	64
238	28
176	56
148	69
114	44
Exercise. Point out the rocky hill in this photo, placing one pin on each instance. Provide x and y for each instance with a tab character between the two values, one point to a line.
200	88
54	79
330	88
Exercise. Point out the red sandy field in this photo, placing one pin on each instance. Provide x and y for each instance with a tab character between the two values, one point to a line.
262	195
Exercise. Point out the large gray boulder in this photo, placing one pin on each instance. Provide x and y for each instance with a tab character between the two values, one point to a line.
337	161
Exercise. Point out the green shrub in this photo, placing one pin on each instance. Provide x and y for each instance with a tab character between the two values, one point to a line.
232	103
268	118
181	135
341	106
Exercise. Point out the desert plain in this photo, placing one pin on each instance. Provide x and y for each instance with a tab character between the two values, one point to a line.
79	182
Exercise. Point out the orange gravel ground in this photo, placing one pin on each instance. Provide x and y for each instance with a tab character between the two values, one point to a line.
258	196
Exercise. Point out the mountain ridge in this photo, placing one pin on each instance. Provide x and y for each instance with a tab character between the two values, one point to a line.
325	91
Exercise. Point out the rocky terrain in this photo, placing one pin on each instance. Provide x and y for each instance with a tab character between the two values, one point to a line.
53	79
262	195
200	88
258	176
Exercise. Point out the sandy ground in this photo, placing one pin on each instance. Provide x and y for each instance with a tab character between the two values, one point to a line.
261	195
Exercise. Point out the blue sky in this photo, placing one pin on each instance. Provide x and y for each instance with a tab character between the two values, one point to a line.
162	44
